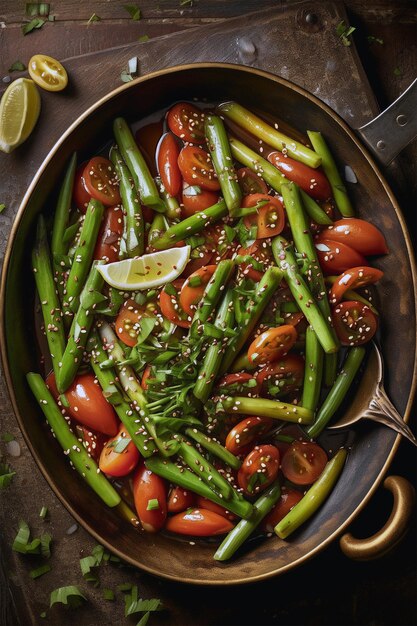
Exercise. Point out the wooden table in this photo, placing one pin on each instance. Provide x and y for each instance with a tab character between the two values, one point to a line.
330	589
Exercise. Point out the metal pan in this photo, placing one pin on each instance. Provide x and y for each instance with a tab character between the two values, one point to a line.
373	447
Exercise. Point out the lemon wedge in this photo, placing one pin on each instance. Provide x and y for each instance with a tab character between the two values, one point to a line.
19	111
147	271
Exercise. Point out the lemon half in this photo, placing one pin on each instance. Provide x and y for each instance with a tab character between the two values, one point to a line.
147	271
19	110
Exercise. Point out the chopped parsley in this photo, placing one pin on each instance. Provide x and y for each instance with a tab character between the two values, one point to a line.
345	32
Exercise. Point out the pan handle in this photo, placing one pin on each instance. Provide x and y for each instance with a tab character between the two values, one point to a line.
393	129
392	532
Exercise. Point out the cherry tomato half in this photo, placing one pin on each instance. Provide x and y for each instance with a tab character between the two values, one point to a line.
259	469
286	374
197	168
272	344
250	182
239	384
101	181
170	306
199	523
168	152
127	325
244	435
180	499
150	496
80	195
119	456
288	499
303	462
312	181
86	404
109	235
195	199
47	72
187	122
354	323
269	218
351	279
193	288
335	257
92	441
208	505
261	252
358	234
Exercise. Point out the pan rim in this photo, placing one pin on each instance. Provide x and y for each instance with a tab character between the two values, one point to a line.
3	286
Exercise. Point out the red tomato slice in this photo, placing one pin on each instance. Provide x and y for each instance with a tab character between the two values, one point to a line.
187	122
239	384
86	404
119	456
351	279
272	344
193	288
335	257
92	441
259	469
354	323
180	499
288	499
261	252
286	374
147	138
197	168
101	181
80	195
195	199
168	152
150	496
127	325
250	182
246	433
358	234
170	306
199	523
269	218
208	505
312	181
109	235
303	462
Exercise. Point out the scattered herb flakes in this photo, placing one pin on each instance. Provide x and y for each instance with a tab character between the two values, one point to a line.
43	614
133	604
46	540
125	77
2	207
17	66
397	72
372	39
37	8
28	27
21	542
184	3
108	594
94	18
143	38
134	11
6	475
153	504
70	596
40	571
43	512
345	32
6	437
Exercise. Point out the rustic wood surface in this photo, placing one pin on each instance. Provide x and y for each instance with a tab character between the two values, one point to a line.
329	589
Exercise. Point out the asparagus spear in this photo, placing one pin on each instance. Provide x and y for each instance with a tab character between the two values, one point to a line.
242	405
45	285
134	226
173	210
255	125
61	215
214	447
205	470
78	455
213	291
219	149
313	371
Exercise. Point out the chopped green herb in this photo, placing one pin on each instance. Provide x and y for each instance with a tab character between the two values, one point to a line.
345	32
143	38
28	27
372	39
108	594
170	289
51	18
7	437
6	475
46	540
37	8
43	614
140	298
125	587
184	3
397	72
17	66
87	564
195	281
40	571
133	11
144	619
43	512
153	505
125	77
2	207
94	18
70	596
21	542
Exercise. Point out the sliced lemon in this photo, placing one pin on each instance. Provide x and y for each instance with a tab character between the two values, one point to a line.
19	110
47	72
147	271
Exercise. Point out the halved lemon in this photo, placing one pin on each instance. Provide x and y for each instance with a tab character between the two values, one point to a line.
19	110
147	271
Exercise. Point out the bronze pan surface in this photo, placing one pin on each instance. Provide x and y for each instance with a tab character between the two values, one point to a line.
373	447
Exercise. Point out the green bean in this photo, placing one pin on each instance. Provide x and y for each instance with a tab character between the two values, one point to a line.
133	236
158	227
214	447
256	126
191	225
243	530
330	169
219	149
314	497
173	210
78	455
138	168
61	215
48	297
338	392
287	412
204	469
313	371
213	291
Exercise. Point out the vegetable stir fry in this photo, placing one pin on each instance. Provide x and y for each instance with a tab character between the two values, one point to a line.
199	293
